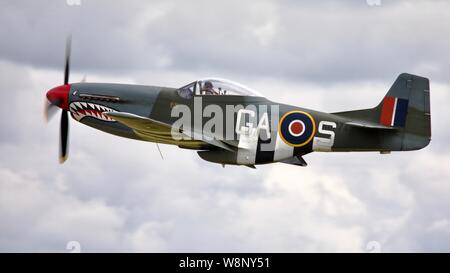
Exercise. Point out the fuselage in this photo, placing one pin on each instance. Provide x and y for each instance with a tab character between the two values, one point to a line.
280	131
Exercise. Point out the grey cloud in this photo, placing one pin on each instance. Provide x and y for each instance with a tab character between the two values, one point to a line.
325	41
117	194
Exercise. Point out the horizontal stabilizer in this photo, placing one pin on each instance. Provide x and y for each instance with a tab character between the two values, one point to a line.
403	115
369	125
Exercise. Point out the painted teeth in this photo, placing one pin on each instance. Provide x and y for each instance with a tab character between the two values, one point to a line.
80	110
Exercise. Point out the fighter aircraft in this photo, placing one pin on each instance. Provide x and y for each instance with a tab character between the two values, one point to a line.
230	124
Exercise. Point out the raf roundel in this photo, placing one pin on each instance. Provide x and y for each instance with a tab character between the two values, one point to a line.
296	128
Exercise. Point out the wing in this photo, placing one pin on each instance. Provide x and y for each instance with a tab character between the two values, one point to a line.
155	130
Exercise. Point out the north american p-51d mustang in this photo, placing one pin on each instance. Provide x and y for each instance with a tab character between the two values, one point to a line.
228	123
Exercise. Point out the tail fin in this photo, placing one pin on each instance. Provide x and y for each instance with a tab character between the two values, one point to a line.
405	108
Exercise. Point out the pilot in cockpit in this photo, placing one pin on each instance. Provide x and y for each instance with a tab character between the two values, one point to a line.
208	89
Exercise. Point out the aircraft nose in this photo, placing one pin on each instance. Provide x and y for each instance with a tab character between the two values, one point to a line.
59	96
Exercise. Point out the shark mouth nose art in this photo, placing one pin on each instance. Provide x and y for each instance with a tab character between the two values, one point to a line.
80	110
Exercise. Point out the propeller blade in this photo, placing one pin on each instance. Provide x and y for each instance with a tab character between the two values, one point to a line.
55	100
64	137
67	64
49	110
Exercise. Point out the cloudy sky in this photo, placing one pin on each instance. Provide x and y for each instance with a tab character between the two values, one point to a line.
115	194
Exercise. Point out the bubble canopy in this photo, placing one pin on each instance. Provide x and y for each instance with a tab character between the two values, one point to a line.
216	87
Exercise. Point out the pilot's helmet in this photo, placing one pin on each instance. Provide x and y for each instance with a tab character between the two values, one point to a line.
208	85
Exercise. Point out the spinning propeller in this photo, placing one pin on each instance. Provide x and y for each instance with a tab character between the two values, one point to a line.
58	97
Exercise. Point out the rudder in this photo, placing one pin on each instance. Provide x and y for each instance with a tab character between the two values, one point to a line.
406	106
